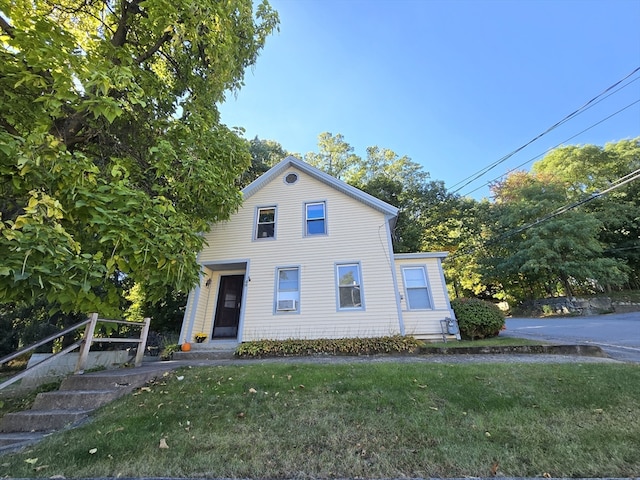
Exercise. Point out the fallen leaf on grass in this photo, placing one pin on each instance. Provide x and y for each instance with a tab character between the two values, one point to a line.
31	461
93	451
163	443
181	377
41	467
253	390
494	468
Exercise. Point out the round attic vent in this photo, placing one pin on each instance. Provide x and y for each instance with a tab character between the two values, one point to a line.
291	178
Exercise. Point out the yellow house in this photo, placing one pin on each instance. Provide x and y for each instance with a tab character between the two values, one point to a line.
309	256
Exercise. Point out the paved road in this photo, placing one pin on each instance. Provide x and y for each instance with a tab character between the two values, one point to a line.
618	334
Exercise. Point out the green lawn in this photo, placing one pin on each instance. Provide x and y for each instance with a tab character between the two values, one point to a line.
378	420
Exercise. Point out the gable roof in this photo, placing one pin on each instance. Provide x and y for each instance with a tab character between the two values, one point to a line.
323	177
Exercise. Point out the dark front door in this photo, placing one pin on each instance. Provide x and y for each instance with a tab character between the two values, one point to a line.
228	309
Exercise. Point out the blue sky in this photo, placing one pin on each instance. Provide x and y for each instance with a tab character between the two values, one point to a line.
455	85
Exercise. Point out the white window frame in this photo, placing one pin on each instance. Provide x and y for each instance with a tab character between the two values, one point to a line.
307	219
356	285
425	287
286	294
256	223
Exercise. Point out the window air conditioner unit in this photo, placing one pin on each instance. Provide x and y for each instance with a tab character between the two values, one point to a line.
286	305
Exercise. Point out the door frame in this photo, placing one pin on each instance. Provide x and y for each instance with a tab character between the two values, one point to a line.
222	283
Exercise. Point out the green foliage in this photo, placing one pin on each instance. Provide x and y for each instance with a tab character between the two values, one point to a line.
588	169
264	155
477	318
560	255
168	350
342	346
112	156
23	324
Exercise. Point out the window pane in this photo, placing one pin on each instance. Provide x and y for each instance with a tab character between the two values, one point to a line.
267	215
265	231
315	227
418	298
288	280
266	223
350	297
414	277
349	286
315	219
315	211
348	275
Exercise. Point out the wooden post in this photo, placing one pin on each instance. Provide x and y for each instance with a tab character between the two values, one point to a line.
86	344
143	342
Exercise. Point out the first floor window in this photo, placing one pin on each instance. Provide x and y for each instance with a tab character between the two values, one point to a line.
266	224
288	289
415	284
349	285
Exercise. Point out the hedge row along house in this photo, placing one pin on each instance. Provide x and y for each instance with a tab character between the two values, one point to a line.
308	256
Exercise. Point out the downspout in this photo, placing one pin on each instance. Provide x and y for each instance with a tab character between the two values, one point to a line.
392	264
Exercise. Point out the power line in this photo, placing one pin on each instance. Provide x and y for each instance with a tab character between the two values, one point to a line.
483	171
564	209
550	149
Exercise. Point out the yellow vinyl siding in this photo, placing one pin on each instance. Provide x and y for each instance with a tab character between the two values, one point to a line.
355	233
425	323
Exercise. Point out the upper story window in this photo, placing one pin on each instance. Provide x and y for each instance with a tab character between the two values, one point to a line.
265	223
349	286
316	218
415	284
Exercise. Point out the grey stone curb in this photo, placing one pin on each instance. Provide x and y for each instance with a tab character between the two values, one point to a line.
580	350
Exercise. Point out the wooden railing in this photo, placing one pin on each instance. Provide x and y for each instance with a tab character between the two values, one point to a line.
84	344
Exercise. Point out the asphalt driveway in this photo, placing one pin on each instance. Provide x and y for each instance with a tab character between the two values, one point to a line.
618	334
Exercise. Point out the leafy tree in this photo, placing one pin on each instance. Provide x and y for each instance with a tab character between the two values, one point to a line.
535	254
112	155
589	169
336	156
264	155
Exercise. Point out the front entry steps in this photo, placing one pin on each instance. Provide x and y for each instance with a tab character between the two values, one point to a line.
77	397
212	350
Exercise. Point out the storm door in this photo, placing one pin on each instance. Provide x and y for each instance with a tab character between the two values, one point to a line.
225	324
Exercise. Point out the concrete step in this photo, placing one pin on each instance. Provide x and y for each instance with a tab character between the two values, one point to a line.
75	399
12	441
204	355
78	396
122	379
41	420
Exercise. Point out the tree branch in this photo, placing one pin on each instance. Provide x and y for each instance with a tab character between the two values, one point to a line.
166	36
9	128
128	8
8	29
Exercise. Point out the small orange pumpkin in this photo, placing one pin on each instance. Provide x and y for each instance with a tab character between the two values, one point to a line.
186	347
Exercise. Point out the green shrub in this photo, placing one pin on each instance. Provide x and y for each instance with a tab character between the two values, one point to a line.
328	346
477	318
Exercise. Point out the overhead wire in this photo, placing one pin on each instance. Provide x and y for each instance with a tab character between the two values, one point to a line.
559	211
551	148
471	178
